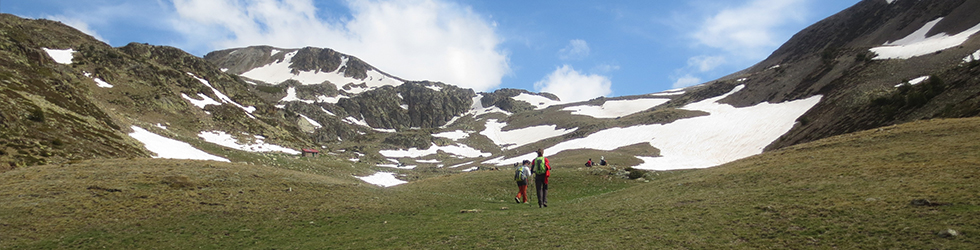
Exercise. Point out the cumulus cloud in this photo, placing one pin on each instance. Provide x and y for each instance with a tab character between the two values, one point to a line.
412	39
78	24
571	86
577	49
740	35
686	81
750	30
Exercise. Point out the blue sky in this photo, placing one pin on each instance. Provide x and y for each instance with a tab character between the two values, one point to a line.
576	49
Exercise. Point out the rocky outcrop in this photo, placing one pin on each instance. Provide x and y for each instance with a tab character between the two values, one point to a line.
504	99
411	105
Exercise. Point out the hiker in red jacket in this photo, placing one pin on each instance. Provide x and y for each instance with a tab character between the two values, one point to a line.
542	170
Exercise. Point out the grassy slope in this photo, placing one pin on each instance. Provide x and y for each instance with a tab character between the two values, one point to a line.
851	191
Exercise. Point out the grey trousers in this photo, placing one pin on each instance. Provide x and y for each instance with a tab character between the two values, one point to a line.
542	190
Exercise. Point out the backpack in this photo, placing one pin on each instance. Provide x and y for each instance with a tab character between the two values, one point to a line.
519	174
539	167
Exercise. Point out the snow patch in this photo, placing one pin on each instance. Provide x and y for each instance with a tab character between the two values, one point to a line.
470	169
279	71
311	121
62	56
221	96
914	81
917	44
972	57
226	140
453	135
519	137
169	148
383	179
460	150
619	108
539	102
200	103
436	88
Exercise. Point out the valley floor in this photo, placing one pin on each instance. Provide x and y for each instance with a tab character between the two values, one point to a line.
911	186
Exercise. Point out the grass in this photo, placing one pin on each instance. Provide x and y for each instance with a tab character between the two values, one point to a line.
850	191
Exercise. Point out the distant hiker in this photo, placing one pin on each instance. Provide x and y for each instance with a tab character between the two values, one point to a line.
521	174
542	170
589	163
602	162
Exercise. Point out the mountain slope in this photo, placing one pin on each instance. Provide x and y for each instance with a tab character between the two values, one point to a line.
70	96
901	186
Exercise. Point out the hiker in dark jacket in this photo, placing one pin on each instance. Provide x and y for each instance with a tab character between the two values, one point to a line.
542	170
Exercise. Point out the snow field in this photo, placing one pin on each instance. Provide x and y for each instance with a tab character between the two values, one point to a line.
727	134
618	108
520	137
62	56
917	44
383	179
226	140
169	148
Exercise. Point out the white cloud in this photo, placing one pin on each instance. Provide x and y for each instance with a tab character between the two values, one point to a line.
78	24
413	39
571	86
752	29
577	49
685	81
705	63
740	35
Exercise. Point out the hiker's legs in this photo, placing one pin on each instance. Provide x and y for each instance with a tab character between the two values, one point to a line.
544	193
538	186
522	193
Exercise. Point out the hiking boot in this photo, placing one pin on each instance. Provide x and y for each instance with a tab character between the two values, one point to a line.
545	205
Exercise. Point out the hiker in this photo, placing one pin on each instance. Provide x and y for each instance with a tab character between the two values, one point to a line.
521	175
589	163
602	162
542	170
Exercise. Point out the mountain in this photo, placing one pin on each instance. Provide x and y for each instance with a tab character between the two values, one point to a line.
875	64
70	97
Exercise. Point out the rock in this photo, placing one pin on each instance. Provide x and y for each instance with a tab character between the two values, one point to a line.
464	211
948	233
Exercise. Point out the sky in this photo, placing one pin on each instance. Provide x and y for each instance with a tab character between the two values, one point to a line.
576	49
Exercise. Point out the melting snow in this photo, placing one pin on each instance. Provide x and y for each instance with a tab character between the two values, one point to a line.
62	56
221	96
453	135
461	150
223	139
972	57
470	169
539	102
200	103
428	161
914	81
169	148
614	109
520	137
383	179
917	44
314	123
461	164
397	166
436	88
727	134
98	82
277	72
